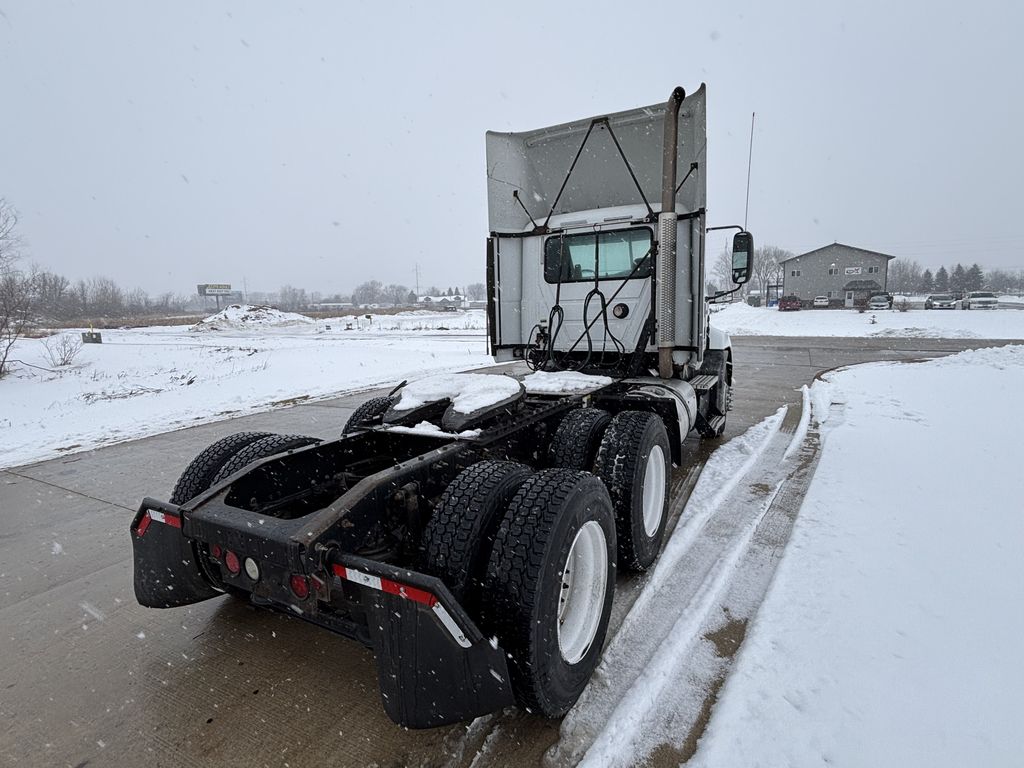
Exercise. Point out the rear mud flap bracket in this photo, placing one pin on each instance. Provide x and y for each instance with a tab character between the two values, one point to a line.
434	666
166	572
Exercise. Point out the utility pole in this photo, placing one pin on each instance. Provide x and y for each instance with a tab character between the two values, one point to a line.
417	282
750	160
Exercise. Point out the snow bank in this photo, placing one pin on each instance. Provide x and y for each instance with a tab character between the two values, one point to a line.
468	392
890	635
417	320
146	381
563	383
242	317
742	320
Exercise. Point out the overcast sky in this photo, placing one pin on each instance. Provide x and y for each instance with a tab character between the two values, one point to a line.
167	144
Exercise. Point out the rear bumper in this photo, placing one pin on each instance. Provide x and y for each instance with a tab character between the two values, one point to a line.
434	665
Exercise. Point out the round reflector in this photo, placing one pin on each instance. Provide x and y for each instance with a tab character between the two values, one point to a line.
300	586
231	561
251	569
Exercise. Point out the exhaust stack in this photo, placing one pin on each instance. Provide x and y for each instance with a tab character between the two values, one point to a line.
667	224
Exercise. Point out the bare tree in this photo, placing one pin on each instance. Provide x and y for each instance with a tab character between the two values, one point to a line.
54	299
10	242
106	298
368	293
137	301
768	266
1002	281
16	288
396	294
721	270
476	291
291	298
904	276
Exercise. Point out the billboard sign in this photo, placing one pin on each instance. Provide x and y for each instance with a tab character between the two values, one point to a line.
214	289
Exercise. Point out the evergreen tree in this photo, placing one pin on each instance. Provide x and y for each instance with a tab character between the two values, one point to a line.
927	282
942	280
958	279
974	279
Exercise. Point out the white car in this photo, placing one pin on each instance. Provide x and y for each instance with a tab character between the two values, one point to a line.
879	302
980	300
820	302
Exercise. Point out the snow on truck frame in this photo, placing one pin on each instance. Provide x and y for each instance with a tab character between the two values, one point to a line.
468	527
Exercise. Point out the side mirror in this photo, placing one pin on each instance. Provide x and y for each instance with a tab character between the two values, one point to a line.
742	257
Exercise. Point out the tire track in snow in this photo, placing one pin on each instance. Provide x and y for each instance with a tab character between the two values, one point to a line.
660	643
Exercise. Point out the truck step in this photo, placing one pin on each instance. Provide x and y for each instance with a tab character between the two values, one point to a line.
704	383
716	422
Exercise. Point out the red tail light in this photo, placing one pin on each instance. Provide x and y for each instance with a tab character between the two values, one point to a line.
231	561
216	551
300	586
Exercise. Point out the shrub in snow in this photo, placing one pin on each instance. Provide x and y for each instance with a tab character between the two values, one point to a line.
62	350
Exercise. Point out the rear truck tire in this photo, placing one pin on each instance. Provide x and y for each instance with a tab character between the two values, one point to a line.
549	587
271	445
200	473
198	476
458	538
577	437
633	461
367	413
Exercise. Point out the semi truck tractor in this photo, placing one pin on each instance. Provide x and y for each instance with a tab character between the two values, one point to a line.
469	528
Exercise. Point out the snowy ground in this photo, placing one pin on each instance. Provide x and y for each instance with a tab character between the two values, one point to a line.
743	320
891	633
150	380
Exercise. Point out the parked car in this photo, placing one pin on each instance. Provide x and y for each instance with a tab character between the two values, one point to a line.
789	302
980	300
880	301
940	301
821	302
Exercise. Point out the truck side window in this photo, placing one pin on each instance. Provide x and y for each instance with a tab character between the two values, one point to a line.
573	258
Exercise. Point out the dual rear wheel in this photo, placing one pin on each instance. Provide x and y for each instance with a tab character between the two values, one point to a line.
533	555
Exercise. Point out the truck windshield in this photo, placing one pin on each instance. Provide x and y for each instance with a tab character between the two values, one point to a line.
574	258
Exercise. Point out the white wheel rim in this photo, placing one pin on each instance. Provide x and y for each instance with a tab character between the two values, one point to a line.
581	595
654	490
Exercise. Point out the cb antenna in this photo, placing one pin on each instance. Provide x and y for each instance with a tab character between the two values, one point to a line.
750	158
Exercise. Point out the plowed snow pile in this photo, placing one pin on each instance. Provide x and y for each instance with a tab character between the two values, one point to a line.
891	633
245	317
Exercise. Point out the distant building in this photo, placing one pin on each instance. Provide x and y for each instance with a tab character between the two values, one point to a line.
441	301
847	275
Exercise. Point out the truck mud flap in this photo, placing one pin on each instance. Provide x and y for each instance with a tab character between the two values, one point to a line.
166	572
433	664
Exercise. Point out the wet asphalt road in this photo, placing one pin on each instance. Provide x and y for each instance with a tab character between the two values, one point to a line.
87	677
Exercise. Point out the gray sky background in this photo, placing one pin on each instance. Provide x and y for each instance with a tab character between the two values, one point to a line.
324	144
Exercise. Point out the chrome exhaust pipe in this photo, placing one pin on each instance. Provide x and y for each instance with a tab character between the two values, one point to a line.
667	225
